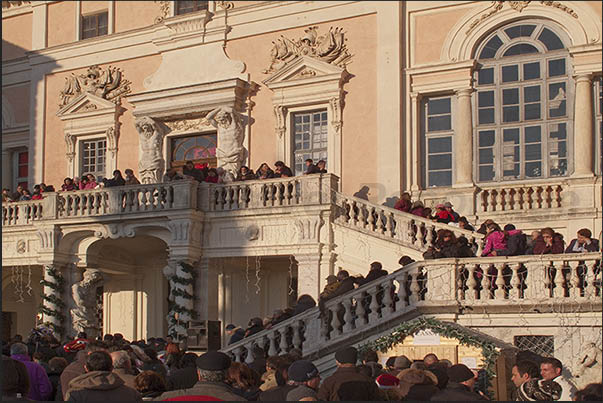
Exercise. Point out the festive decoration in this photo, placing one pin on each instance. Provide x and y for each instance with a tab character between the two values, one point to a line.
490	352
181	300
258	268
52	303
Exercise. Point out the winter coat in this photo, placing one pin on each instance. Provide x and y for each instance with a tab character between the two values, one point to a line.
155	365
40	387
253	330
100	386
456	392
126	376
403	205
66	188
285	172
115	182
238	335
449	249
89	185
494	240
541	248
132	181
574	247
218	390
268	175
197	174
418	211
330	386
299	308
312	169
251	394
445	217
212	179
182	378
73	370
373	275
276	394
516	244
249	176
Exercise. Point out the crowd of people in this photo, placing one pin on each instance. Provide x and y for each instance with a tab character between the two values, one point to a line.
115	369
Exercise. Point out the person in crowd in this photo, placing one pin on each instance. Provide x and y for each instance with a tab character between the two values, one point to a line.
388	386
483	228
258	365
130	179
242	381
212	176
430	359
447	245
530	241
245	174
375	271
236	333
68	185
464	224
212	367
281	170
416	208
37	193
76	368
523	371
346	372
99	383
304	302
443	213
6	196
404	204
268	378
40	387
306	378
149	384
283	387
16	196
583	243
310	167
549	242
593	392
427	213
264	172
15	380
495	239
550	370
417	384
153	363
172	356
172	175
400	363
516	242
321	165
117	180
25	195
461	381
389	365
56	366
280	315
440	370
90	183
370	360
122	366
190	171
254	326
184	377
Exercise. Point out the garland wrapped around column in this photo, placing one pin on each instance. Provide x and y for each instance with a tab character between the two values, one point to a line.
181	299
52	300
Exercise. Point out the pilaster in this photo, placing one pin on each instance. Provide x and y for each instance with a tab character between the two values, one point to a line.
308	273
583	127
463	140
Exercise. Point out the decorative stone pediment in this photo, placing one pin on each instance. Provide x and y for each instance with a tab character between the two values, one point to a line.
305	68
86	102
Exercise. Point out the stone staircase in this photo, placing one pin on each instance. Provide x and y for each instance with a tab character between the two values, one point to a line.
436	287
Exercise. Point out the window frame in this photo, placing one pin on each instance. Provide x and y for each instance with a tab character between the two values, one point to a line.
598	122
424	103
98	174
312	150
16	179
196	7
97	26
545	122
180	163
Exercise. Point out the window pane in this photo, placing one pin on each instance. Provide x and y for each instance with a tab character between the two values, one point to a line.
531	94
438	106
486	138
531	71
441	161
485	76
557	100
491	47
520	30
533	152
558	167
520	49
440	178
532	134
511	96
438	123
556	67
486	156
511	153
485	98
439	145
486	173
486	115
533	169
558	131
532	111
511	114
550	40
23	157
510	73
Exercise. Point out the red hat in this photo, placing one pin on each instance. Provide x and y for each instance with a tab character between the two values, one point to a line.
387	381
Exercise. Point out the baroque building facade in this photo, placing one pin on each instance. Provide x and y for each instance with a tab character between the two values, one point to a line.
494	106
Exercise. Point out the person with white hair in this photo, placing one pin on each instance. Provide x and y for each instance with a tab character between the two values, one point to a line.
122	366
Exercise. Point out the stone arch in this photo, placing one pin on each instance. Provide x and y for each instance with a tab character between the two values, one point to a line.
463	39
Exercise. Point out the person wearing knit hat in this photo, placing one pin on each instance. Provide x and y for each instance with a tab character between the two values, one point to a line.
305	375
348	374
461	381
388	386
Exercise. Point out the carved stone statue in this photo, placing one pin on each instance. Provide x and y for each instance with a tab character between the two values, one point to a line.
108	84
230	151
589	365
150	163
83	316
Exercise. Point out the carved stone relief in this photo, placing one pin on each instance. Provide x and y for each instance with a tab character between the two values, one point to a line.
115	231
230	151
329	48
14	3
83	316
589	365
150	163
307	229
164	10
185	125
280	113
105	83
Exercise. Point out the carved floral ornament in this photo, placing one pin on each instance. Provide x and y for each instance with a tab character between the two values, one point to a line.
105	83
518	6
330	48
164	8
186	125
11	3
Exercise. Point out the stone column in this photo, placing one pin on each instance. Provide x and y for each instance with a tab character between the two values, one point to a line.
463	140
52	299
583	127
308	274
180	276
7	170
413	163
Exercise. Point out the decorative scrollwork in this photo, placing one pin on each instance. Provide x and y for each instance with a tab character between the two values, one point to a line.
105	83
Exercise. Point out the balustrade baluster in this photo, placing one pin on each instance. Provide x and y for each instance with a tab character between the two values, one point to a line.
143	204
296	195
589	285
548	197
374	305
512	194
499	293
484	197
380	221
539	198
335	322
283	346
574	280
367	218
460	282
472	284
238	352
388	302
429	236
418	236
360	311
516	290
297	337
493	194
559	290
354	213
90	207
347	316
558	191
249	357
272	351
415	288
489	279
529	200
389	224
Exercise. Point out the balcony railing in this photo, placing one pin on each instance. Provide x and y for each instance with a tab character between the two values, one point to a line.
520	197
513	284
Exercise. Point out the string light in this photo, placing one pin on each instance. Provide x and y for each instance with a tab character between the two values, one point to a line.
247	278
28	286
257	274
291	290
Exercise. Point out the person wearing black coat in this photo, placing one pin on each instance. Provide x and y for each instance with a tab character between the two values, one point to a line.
186	376
376	271
583	243
448	246
117	180
517	242
235	333
304	302
461	381
255	326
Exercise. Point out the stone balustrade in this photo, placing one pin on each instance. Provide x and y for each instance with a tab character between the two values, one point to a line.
21	213
404	228
520	197
513	284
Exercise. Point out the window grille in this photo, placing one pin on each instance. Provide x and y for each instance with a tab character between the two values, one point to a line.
544	346
94	158
310	134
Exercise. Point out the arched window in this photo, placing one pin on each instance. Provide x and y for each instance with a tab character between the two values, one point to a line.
522	105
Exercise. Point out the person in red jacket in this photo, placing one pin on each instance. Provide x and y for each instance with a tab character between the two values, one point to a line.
404	204
549	242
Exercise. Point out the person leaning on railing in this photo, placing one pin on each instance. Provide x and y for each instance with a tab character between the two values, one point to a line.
549	242
583	243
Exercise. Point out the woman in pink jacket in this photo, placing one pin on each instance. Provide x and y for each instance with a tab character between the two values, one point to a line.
91	184
495	239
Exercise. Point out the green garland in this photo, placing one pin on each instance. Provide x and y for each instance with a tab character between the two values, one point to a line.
58	287
490	352
177	308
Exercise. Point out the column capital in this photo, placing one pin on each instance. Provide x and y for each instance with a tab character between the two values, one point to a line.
581	77
464	92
